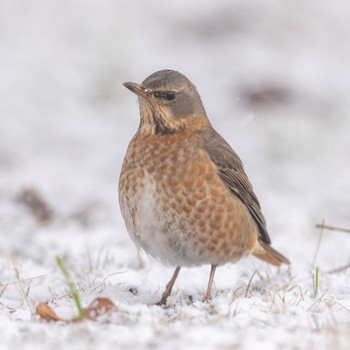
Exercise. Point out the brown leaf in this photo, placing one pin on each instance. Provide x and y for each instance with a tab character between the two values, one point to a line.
46	312
99	307
267	94
34	201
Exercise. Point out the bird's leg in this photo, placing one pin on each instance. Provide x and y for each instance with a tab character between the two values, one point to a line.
169	287
210	283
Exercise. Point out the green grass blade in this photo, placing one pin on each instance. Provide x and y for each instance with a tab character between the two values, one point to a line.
71	286
316	281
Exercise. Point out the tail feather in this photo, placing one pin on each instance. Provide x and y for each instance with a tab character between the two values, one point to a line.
268	254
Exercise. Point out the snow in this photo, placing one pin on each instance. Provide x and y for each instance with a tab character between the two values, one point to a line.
274	77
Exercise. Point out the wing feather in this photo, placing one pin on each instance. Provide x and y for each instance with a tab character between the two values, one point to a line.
231	171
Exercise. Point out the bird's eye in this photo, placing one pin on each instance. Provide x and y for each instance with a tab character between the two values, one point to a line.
170	95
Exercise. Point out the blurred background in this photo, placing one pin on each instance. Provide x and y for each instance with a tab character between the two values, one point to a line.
274	78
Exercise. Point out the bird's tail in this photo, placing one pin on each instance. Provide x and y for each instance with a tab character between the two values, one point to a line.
265	252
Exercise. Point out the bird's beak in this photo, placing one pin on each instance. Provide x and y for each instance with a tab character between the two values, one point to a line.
136	89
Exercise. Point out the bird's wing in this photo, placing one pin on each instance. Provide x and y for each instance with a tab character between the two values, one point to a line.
231	171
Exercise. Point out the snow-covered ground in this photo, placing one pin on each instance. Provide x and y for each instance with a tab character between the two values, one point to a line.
275	79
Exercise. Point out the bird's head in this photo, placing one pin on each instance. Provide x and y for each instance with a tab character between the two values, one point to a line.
169	103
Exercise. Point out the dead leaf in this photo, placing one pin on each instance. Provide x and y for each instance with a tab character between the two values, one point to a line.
99	307
34	201
46	312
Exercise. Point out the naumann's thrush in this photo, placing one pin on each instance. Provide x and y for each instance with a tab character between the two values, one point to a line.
184	195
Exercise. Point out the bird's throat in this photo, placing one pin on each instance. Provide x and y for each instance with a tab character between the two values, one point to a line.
159	123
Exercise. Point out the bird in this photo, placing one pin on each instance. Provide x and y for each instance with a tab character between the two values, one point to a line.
183	192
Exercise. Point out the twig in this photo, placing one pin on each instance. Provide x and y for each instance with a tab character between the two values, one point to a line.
341	305
332	228
316	281
3	290
339	269
317	301
105	279
22	286
21	280
249	283
301	296
318	243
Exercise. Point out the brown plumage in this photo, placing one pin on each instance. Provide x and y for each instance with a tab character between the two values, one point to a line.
183	191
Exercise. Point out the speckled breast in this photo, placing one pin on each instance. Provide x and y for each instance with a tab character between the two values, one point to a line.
175	206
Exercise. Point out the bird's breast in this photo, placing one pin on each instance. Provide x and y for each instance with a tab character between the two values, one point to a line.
177	208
